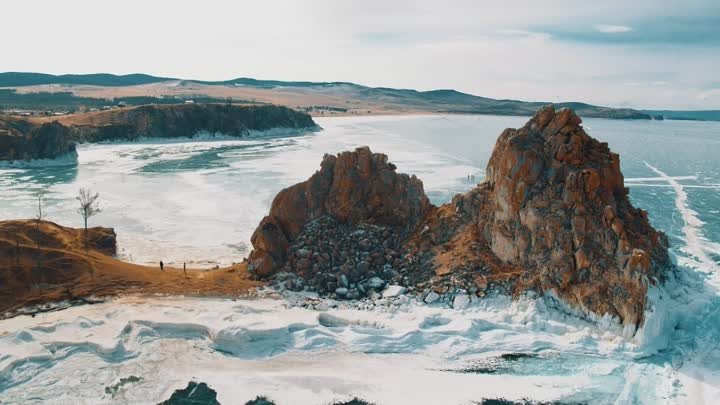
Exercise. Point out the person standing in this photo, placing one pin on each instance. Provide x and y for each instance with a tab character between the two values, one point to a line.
162	266
184	269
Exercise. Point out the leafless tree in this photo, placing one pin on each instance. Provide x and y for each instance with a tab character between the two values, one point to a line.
40	214
89	206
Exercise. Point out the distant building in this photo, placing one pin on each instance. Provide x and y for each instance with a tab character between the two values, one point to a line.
189	102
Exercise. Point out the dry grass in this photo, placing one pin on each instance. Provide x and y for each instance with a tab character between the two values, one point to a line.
49	263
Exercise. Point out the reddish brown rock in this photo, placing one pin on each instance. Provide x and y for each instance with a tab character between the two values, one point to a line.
351	187
553	216
554	208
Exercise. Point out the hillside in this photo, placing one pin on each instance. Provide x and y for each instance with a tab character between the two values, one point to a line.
320	98
17	79
45	263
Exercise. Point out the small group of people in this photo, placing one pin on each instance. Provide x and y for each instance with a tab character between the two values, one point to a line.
471	178
162	267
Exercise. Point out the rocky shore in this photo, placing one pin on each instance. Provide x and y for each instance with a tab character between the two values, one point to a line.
52	137
552	217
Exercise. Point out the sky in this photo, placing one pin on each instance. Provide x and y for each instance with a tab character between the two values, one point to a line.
642	54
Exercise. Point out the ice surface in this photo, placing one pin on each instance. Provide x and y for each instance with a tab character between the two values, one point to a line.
165	200
299	356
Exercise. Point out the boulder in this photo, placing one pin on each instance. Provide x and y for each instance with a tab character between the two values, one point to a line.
431	297
393	291
461	301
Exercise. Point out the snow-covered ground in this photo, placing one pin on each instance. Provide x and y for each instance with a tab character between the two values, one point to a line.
399	352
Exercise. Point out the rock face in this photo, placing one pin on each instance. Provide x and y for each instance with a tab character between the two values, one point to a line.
559	209
553	216
184	121
22	139
351	188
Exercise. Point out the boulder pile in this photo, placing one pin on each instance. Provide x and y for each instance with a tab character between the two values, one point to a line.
345	261
552	217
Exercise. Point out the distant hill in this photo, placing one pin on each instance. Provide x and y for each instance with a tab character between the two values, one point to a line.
319	98
704	115
19	79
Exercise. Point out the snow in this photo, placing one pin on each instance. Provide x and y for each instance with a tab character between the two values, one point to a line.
393	291
302	356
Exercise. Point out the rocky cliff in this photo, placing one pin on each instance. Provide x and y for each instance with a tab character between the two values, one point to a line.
52	137
21	140
183	121
553	216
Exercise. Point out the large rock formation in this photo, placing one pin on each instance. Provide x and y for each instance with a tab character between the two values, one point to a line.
559	210
52	137
553	216
351	187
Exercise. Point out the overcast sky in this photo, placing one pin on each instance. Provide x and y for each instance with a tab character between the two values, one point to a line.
640	53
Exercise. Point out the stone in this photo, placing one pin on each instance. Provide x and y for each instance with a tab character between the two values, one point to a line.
375	282
393	291
365	244
363	267
461	301
431	297
341	291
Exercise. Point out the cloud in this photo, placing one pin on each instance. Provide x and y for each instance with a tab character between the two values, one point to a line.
612	29
522	49
658	31
708	95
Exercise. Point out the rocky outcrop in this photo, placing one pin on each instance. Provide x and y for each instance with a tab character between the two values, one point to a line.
559	209
185	121
553	216
22	139
352	188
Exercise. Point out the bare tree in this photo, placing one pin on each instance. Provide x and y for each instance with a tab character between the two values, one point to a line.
89	206
40	214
